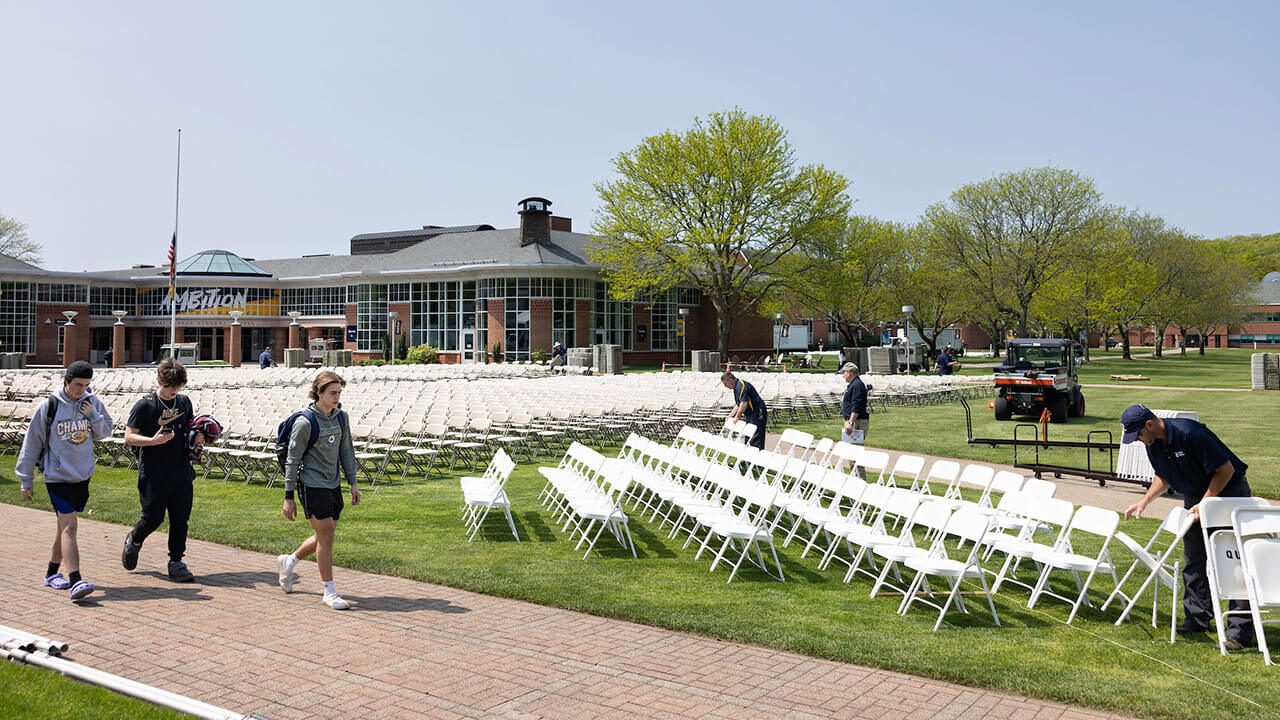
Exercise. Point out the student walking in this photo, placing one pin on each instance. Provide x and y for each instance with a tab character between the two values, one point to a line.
59	441
319	449
158	426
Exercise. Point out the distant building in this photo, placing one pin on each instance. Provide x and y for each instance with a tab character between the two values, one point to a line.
461	289
1262	321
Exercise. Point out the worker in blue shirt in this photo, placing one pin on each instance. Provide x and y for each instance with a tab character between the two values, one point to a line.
853	406
264	360
1190	459
946	364
748	406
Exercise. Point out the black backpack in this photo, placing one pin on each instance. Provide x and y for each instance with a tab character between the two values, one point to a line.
285	431
50	409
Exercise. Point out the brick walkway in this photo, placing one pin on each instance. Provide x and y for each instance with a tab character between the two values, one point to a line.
416	650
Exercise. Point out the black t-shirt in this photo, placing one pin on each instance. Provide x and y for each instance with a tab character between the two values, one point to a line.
168	461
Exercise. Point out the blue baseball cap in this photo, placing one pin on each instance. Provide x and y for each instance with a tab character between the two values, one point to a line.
1133	419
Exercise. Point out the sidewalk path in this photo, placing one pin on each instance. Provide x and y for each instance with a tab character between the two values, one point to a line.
416	650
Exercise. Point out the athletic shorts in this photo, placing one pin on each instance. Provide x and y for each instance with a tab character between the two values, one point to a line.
320	503
68	497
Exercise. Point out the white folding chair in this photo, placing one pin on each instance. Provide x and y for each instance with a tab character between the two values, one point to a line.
969	525
488	492
1155	556
1259	531
1062	556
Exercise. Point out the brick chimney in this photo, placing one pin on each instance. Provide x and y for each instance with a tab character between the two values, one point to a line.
535	221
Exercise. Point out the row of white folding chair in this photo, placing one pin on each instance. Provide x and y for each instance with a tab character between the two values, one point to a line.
584	491
739	518
702	497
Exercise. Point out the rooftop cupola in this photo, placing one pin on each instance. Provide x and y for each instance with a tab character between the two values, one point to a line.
535	221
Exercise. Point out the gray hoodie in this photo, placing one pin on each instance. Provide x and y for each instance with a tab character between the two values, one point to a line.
70	456
333	452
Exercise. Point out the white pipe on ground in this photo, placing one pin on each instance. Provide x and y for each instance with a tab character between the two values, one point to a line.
124	686
29	641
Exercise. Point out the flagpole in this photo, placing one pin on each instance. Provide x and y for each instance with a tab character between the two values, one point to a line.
173	274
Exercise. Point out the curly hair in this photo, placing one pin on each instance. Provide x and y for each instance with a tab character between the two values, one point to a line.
171	373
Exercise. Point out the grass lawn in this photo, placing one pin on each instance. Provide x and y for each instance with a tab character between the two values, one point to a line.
30	693
413	530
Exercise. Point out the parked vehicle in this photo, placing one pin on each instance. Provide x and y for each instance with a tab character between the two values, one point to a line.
1039	374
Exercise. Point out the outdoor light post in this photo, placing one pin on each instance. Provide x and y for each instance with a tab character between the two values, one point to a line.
235	339
69	337
117	339
391	333
906	325
777	333
684	331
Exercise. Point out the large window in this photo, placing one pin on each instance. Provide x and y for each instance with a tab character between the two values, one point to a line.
371	315
441	312
314	301
105	300
17	317
516	293
663	314
65	293
1262	317
611	319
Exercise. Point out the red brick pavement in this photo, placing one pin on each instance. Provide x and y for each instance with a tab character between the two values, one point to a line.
416	650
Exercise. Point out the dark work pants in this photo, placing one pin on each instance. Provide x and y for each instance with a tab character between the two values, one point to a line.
760	421
159	496
1197	601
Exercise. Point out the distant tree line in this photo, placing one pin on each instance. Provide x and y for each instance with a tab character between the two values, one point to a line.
725	208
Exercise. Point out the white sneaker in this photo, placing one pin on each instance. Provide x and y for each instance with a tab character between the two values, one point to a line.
336	602
287	576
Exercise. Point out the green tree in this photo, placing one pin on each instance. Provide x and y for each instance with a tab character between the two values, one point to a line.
921	278
1077	300
15	243
849	284
722	207
1007	237
1217	289
1259	253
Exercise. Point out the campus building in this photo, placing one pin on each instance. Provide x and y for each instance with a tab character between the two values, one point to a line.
464	290
1261	325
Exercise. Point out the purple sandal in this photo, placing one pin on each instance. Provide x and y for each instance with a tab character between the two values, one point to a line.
57	582
81	589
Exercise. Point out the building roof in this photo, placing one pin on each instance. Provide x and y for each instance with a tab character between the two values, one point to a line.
441	250
1267	292
424	233
445	252
13	263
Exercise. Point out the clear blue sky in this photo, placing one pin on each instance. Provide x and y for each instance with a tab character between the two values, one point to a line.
304	123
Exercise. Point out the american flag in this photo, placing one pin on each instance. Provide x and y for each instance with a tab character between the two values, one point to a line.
173	256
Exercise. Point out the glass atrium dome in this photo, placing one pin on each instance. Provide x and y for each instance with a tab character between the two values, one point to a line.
219	262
